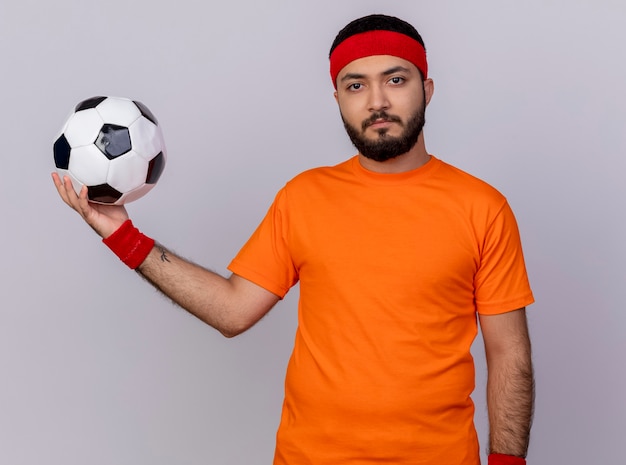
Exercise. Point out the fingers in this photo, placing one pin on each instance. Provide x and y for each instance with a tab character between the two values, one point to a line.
84	207
104	219
62	188
59	186
67	193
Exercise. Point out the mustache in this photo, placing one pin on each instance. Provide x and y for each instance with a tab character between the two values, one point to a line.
380	115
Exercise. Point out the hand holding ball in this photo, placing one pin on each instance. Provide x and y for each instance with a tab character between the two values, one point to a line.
112	145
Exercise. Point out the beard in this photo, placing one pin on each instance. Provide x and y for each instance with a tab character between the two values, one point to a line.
386	147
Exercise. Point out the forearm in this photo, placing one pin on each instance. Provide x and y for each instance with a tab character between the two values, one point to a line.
205	294
229	305
510	401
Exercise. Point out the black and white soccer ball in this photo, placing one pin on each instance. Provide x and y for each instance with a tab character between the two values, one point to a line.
112	145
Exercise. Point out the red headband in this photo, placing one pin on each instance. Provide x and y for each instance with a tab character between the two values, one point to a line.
377	43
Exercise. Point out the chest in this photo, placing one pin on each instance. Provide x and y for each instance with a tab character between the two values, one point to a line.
406	236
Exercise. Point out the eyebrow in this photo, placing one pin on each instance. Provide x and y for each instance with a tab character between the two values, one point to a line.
352	76
388	72
395	69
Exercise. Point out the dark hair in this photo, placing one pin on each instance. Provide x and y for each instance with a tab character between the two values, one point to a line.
376	23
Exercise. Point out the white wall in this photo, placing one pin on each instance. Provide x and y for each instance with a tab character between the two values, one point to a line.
97	368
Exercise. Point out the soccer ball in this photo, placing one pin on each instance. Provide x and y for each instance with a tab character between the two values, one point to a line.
112	145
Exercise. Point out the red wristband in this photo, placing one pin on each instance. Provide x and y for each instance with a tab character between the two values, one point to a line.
129	244
502	459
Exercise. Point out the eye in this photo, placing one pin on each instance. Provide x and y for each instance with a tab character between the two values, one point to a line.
396	80
355	86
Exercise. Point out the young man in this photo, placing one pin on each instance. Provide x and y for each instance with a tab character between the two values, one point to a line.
396	253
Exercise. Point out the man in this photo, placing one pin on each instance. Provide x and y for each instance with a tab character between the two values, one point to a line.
396	253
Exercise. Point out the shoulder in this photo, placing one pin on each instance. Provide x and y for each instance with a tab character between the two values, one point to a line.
310	184
320	175
468	186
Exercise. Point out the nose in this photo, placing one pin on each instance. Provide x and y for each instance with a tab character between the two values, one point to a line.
378	99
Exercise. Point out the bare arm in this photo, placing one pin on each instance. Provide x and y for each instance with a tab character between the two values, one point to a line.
230	305
510	382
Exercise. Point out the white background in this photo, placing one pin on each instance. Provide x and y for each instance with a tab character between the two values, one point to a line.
97	368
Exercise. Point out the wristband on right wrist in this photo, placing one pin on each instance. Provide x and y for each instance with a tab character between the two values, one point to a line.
129	244
503	459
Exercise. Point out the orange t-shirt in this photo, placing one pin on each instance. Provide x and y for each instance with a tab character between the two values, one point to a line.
392	270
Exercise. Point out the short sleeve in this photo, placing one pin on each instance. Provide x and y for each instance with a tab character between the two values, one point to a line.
501	282
265	258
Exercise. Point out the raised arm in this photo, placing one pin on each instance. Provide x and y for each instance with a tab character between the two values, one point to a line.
510	382
230	305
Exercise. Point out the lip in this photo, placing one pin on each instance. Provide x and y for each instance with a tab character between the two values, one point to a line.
380	123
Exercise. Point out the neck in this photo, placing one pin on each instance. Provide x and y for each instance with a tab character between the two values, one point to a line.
411	160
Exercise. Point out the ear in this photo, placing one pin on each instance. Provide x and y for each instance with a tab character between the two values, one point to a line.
336	98
429	89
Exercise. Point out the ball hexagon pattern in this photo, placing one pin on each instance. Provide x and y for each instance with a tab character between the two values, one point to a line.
112	145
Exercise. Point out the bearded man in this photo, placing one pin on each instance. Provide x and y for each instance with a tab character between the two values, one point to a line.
398	254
